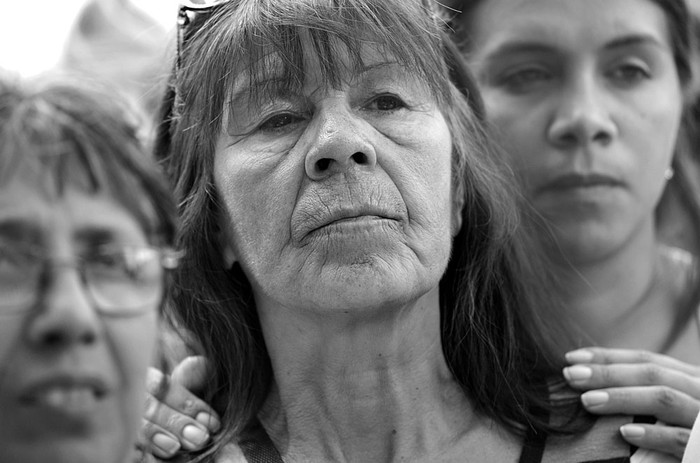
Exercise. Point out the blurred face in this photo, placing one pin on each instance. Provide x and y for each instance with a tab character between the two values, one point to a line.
71	378
587	101
338	198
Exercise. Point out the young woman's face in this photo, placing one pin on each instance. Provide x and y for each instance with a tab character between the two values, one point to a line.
339	197
586	99
71	378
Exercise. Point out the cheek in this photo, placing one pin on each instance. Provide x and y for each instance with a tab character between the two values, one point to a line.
259	199
424	178
11	328
652	133
133	344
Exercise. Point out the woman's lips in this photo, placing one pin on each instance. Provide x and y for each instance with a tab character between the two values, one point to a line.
580	181
69	393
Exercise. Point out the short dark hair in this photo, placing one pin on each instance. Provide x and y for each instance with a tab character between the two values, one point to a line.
90	139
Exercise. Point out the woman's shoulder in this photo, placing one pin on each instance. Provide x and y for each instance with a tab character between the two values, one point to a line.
231	453
602	442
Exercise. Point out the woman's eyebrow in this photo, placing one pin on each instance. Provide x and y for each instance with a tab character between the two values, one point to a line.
514	48
246	88
635	40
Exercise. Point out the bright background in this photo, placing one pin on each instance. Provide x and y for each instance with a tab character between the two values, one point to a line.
33	32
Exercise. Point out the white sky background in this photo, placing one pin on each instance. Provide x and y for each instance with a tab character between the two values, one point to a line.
33	32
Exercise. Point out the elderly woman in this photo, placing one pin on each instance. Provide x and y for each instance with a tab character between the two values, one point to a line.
85	224
354	267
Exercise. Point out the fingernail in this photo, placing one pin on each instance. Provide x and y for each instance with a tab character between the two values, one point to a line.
166	443
579	356
632	431
194	435
209	421
577	373
594	398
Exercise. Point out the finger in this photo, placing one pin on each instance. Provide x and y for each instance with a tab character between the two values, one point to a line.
601	355
154	440
175	397
162	424
666	439
592	376
191	373
666	404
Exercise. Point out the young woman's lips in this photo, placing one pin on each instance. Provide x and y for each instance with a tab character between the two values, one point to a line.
580	182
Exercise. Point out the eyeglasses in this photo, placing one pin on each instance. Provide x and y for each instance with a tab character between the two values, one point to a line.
120	281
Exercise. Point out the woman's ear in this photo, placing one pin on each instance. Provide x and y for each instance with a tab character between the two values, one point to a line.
227	254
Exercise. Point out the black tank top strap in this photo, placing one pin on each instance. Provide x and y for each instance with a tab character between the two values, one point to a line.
257	447
533	447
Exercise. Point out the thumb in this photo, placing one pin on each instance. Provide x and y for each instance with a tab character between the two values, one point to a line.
191	373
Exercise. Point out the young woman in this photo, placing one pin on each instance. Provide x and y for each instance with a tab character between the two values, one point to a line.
588	100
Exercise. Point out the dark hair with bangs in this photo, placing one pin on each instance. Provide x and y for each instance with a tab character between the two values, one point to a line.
491	294
80	136
684	187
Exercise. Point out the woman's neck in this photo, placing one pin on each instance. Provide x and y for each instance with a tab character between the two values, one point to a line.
616	301
359	390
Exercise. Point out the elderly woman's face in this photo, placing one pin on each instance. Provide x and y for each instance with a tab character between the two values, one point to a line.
338	197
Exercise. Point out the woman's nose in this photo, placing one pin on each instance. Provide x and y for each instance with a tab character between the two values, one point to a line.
65	316
340	142
582	116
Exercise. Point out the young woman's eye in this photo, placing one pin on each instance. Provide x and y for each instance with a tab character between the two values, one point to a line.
630	73
387	103
526	79
279	121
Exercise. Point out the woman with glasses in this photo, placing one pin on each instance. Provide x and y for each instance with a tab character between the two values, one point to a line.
355	271
85	226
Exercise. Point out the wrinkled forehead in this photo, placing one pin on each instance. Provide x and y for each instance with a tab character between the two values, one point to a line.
269	55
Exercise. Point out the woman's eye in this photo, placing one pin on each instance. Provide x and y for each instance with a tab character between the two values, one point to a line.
279	121
387	103
526	79
16	257
630	73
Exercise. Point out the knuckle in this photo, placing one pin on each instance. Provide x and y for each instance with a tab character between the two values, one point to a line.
174	422
606	375
145	433
150	409
678	442
666	397
652	374
644	356
190	406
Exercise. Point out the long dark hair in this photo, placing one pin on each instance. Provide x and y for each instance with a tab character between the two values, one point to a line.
492	295
684	187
